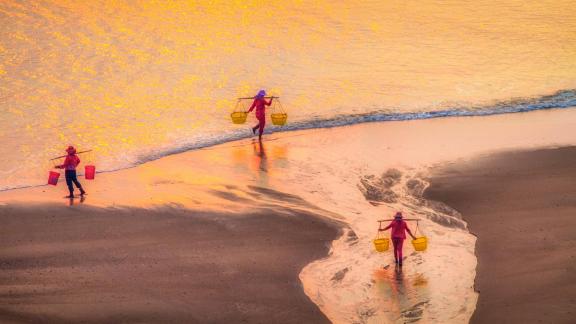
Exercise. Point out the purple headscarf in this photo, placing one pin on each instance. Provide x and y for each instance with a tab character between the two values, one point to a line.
261	93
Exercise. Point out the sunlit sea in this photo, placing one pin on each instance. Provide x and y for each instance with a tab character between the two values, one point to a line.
137	80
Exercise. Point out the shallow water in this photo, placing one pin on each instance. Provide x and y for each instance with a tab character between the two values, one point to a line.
331	169
404	294
136	80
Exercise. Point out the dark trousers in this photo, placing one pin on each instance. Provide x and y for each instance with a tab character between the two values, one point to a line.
71	178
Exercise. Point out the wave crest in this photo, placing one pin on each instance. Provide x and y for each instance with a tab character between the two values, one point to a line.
560	99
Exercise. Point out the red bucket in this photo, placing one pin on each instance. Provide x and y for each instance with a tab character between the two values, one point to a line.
89	172
53	178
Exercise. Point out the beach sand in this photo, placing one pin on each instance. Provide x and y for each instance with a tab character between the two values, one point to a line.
163	265
521	206
124	251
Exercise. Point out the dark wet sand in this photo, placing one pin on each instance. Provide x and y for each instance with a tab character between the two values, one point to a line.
522	207
169	265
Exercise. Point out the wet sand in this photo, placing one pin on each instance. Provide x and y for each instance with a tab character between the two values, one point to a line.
288	174
521	206
163	265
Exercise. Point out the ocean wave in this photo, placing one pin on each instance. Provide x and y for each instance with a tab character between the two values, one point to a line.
560	99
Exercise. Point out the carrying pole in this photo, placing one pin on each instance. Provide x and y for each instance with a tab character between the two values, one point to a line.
67	155
406	219
271	97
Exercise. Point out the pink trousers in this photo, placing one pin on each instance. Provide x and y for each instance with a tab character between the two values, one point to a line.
397	243
261	124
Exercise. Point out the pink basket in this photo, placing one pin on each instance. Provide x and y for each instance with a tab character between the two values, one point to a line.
89	172
53	178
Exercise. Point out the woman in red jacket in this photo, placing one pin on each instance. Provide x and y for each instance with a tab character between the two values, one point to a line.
260	104
398	233
69	165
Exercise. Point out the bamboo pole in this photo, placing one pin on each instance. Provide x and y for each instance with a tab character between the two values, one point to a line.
67	155
271	97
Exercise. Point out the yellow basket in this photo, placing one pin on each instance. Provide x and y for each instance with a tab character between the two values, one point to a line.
381	244
420	243
279	119
239	117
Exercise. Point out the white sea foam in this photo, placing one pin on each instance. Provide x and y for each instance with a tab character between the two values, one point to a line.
388	163
356	284
21	178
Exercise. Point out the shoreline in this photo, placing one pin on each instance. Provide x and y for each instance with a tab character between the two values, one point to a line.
520	205
283	133
322	177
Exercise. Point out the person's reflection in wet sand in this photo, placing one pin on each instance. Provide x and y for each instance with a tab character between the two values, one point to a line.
398	284
260	154
260	162
71	200
404	295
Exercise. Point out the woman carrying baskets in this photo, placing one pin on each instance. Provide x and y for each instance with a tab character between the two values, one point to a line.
398	233
69	165
260	104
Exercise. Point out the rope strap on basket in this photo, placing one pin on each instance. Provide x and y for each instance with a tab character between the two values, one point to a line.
416	231
379	234
236	106
277	107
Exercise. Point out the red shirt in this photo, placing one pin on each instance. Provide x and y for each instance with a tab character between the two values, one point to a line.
71	162
398	229
260	104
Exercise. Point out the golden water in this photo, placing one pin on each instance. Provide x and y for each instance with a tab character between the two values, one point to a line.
134	80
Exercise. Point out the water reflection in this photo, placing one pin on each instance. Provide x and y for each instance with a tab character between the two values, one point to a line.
132	79
71	201
260	158
404	293
280	155
261	161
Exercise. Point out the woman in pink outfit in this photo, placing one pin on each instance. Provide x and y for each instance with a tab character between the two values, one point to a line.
398	233
260	104
69	165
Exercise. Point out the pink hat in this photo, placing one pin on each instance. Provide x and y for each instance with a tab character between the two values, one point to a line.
71	150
